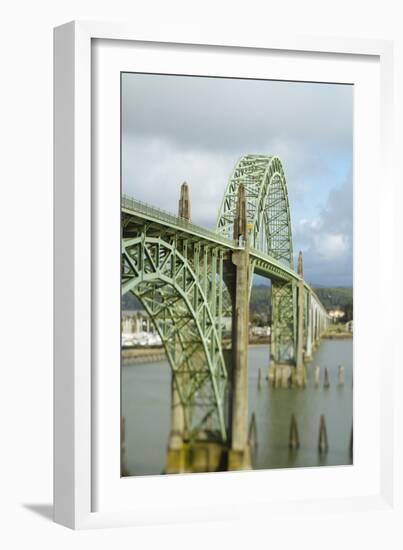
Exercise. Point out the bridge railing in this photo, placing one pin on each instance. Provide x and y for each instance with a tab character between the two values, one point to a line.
176	221
161	215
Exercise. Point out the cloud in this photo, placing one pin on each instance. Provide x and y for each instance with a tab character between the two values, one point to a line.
327	240
195	129
331	246
229	113
163	168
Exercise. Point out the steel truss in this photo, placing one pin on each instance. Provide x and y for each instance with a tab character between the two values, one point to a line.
183	276
269	223
180	284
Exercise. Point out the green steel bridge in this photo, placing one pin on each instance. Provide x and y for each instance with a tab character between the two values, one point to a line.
190	280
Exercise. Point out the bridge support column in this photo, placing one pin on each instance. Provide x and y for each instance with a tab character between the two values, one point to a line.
282	347
175	461
239	453
300	374
176	453
308	352
308	345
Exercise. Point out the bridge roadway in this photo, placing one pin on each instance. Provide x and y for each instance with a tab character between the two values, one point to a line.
158	219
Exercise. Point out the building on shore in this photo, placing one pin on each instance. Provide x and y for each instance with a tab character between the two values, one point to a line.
138	330
336	314
135	321
259	332
349	326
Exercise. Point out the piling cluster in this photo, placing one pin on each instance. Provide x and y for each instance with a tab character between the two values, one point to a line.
323	445
285	376
288	381
252	433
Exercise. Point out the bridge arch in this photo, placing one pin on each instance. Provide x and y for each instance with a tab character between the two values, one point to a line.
268	211
162	278
269	226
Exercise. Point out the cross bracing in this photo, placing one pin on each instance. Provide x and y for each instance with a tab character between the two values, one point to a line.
181	273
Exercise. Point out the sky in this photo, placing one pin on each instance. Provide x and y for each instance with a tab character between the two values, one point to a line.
194	129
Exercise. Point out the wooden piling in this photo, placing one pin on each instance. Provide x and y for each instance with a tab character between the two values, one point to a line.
326	383
252	432
259	379
351	442
293	440
340	376
123	466
323	444
317	376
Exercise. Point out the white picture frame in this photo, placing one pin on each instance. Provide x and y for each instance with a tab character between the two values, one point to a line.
78	473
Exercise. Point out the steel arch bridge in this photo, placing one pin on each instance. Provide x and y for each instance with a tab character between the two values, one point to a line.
190	280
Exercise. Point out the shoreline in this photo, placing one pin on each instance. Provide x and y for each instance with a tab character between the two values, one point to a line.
149	355
338	336
154	355
142	355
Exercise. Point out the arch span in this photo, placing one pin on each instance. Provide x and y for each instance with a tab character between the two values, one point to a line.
268	211
163	279
269	225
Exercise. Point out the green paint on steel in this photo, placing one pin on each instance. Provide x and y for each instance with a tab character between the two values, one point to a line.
270	235
183	308
268	211
177	270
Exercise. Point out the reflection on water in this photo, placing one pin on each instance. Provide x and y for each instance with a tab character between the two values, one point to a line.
146	402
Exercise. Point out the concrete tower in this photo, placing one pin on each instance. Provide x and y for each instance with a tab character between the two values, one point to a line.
184	202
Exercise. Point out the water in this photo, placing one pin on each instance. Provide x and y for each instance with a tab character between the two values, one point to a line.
146	403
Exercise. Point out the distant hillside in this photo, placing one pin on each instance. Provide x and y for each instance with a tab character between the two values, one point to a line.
330	297
260	300
335	296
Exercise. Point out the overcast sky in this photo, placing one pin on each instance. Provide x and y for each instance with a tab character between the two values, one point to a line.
195	129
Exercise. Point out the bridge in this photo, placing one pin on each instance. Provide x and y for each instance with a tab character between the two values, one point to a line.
189	279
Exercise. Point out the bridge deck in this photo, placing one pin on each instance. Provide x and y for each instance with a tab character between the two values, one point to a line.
265	265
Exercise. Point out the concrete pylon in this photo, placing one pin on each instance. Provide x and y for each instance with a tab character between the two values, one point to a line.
184	202
176	455
241	220
175	462
308	335
300	268
239	453
300	367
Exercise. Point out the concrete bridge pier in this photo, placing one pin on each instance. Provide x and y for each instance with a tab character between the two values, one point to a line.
282	347
308	341
176	460
209	453
239	452
176	452
300	372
